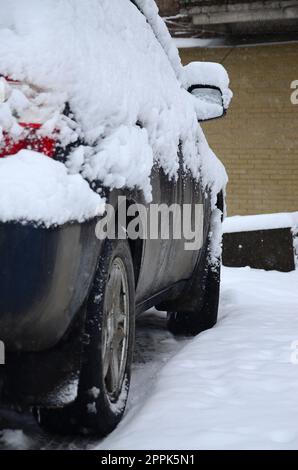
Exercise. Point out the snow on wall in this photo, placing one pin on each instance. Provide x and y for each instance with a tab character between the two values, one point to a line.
104	58
247	223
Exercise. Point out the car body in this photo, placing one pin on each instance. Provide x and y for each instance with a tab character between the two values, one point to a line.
47	273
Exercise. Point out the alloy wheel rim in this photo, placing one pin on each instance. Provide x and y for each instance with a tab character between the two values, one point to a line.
115	331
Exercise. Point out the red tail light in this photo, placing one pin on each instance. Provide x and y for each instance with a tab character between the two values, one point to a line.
31	138
32	141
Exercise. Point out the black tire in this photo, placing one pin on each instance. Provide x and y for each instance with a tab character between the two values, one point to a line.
194	322
100	404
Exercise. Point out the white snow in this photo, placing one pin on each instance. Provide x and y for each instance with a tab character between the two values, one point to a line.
38	189
232	387
209	73
215	238
149	8
91	408
94	392
105	60
22	103
15	439
249	223
124	159
295	243
182	43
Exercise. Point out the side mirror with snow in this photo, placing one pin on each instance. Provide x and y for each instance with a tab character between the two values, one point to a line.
209	102
208	83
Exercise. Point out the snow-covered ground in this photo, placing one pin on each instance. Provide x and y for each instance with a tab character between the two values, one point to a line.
234	386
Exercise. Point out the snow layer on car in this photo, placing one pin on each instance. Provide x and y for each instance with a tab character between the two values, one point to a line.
209	73
150	10
105	57
36	188
117	155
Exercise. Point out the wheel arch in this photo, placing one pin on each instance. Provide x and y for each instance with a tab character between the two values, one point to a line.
136	246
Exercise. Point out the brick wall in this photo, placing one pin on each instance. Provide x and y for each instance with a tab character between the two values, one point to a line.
258	139
168	7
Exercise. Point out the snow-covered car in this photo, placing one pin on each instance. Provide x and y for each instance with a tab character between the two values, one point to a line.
95	107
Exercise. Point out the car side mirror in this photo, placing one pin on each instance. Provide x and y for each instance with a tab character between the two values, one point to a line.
208	83
209	102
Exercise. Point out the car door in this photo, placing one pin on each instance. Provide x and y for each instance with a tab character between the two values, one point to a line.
182	252
155	273
171	260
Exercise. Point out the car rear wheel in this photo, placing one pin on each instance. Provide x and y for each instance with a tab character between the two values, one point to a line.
108	350
194	322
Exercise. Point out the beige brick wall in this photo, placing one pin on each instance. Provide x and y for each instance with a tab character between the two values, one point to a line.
168	7
258	139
